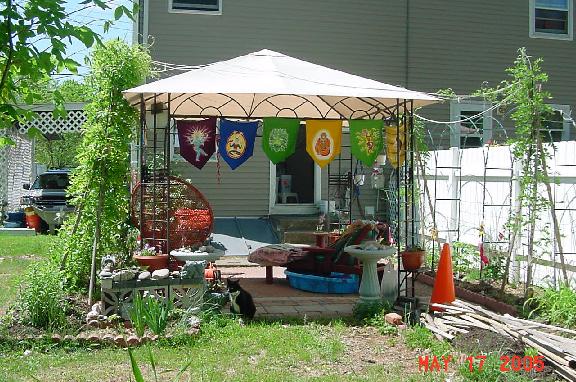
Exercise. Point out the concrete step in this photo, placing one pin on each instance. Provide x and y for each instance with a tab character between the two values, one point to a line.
296	223
17	231
299	237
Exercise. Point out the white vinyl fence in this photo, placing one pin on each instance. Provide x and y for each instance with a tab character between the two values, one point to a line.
475	189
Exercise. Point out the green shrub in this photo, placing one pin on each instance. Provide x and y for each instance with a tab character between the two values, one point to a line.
367	310
42	297
558	306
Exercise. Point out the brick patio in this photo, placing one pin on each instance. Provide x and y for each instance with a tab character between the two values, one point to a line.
280	300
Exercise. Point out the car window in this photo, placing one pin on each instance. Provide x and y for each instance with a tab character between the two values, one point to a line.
51	182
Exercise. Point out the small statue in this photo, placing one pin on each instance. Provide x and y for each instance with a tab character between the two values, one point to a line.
108	263
193	270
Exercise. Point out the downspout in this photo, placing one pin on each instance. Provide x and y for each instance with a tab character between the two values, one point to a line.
407	45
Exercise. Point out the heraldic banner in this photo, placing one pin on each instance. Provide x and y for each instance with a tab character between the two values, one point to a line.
366	139
323	140
279	138
197	140
236	143
396	145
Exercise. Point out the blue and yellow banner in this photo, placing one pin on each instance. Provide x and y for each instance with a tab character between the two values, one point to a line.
236	142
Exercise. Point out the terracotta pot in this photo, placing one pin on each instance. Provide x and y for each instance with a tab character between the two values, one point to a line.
413	260
153	262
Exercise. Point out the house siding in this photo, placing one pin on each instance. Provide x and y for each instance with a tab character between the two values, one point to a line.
326	32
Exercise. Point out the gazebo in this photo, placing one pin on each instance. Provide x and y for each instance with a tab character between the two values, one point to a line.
269	84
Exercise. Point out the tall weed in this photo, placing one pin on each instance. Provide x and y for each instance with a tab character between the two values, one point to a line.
558	306
42	297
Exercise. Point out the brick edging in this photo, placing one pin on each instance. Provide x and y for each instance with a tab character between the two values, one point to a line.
477	298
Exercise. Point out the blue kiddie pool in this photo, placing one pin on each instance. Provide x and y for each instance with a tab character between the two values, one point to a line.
339	283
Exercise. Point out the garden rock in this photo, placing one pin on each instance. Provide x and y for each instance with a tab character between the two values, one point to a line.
94	323
108	338
92	315
144	275
97	307
94	337
120	341
393	319
132	340
68	337
123	275
193	322
160	274
56	338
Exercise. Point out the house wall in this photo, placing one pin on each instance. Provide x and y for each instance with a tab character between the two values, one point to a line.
423	45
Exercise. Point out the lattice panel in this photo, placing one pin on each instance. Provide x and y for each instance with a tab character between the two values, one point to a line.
49	125
185	297
3	170
15	169
117	297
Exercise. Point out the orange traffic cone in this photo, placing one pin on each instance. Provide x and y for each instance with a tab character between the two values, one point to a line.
443	291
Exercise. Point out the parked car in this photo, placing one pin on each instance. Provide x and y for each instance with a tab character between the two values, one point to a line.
48	190
47	195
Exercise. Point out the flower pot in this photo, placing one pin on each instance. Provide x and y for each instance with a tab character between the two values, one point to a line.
412	260
152	262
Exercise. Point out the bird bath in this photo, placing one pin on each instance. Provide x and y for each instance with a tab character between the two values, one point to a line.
210	257
369	286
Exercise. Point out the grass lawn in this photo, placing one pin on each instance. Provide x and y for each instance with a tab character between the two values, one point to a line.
225	350
16	253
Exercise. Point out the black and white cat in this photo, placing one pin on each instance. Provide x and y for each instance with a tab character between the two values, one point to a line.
241	301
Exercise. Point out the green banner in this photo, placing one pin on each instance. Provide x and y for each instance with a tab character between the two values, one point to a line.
279	138
366	140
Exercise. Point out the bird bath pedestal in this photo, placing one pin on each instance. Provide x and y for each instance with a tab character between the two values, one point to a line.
369	286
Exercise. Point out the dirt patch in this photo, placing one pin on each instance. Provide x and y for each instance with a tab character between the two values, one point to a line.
480	341
365	347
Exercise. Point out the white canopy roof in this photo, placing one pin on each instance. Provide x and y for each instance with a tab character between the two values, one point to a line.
267	84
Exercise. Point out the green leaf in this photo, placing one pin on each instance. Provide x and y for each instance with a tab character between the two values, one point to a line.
152	362
5	141
118	12
71	65
135	369
34	132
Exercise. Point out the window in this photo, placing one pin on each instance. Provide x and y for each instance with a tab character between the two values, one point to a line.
474	129
556	125
551	19
213	7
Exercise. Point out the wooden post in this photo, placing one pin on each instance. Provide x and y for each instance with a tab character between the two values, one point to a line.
96	244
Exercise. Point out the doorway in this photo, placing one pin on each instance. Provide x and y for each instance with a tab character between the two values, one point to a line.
296	188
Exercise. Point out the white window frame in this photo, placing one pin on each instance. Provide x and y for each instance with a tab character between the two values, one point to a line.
552	36
566	112
456	108
175	142
195	11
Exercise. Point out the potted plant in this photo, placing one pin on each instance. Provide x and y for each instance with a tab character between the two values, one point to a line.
413	257
148	257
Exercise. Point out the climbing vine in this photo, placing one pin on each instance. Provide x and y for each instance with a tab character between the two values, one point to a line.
523	94
99	185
